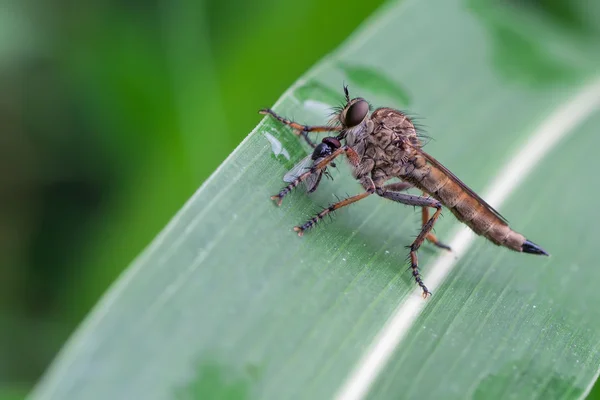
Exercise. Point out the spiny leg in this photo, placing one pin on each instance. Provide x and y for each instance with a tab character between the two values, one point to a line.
401	186
300	129
369	190
419	201
353	157
431	236
286	190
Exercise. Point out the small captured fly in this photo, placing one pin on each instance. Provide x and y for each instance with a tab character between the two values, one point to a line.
383	145
304	171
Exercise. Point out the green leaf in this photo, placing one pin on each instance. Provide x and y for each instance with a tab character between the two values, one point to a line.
228	302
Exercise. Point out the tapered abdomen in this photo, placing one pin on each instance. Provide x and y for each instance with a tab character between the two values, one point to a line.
465	206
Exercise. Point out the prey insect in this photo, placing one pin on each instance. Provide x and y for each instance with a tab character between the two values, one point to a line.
304	171
383	145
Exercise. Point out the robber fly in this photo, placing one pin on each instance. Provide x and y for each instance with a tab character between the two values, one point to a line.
385	145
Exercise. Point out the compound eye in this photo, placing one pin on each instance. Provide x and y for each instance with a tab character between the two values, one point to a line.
356	113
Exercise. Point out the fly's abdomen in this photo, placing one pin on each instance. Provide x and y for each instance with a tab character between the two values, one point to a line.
466	207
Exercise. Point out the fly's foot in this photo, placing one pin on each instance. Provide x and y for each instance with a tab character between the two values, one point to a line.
278	198
284	192
416	275
300	230
433	239
443	246
309	224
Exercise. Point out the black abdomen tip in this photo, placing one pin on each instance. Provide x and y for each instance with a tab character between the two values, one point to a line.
530	247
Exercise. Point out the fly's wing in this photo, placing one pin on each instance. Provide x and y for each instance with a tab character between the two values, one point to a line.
302	171
467	189
298	169
312	181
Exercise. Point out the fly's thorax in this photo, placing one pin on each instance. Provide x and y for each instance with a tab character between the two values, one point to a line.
381	142
396	121
392	137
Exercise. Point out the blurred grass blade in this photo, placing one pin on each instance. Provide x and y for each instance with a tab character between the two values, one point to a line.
228	302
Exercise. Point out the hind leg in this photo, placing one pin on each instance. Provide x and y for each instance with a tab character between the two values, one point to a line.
419	201
430	236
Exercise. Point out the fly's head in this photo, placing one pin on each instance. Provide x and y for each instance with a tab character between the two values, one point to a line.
354	118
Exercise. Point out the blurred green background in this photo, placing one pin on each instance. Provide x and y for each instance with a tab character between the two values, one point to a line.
112	113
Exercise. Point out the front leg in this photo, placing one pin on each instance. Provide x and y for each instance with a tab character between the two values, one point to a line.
418	201
350	153
366	182
318	168
299	129
286	190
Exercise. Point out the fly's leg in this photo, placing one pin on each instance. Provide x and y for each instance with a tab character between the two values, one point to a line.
286	190
430	236
353	157
401	186
311	222
299	129
397	186
418	201
369	190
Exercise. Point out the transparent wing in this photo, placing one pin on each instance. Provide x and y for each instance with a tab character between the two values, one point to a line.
312	181
300	168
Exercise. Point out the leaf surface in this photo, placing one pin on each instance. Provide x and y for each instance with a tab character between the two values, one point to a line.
228	302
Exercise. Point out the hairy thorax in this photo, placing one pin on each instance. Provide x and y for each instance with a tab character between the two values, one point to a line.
383	148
